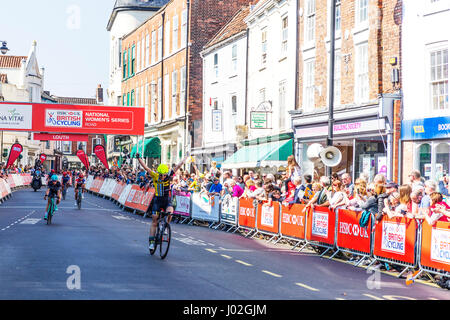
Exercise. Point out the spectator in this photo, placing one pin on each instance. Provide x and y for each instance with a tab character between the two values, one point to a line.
439	208
430	187
338	198
359	198
215	188
444	186
415	178
236	190
348	185
320	198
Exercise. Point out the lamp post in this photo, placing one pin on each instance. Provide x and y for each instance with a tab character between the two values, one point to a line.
331	80
4	49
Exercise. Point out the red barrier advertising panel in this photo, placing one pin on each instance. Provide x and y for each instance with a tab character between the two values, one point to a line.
14	153
349	234
293	221
118	190
395	239
145	200
60	137
321	225
100	152
96	185
435	250
247	213
269	217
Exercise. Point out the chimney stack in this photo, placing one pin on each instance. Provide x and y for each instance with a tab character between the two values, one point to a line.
99	94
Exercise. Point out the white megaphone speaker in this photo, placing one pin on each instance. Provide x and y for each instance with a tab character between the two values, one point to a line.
330	156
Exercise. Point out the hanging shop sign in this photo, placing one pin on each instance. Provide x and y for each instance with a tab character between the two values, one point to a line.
260	116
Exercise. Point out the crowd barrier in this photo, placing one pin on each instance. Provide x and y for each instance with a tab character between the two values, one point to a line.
12	183
401	241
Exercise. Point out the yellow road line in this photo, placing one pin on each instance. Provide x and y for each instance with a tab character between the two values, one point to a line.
272	274
225	256
244	263
211	250
373	297
306	287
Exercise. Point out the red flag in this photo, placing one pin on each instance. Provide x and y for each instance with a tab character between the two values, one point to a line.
16	150
99	151
83	158
42	157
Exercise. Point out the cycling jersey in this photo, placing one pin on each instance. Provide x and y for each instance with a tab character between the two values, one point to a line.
79	183
65	179
162	187
54	188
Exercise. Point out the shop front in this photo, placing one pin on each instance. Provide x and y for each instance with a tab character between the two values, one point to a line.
364	141
426	147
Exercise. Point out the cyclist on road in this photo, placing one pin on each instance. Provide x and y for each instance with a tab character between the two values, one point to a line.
54	189
65	179
79	183
162	200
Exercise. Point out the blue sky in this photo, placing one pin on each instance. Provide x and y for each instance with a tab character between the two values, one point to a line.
72	41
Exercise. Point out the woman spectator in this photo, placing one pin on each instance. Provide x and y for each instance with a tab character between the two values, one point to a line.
391	204
359	196
439	208
338	198
373	191
235	189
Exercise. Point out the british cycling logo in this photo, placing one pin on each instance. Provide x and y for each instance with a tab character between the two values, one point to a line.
64	118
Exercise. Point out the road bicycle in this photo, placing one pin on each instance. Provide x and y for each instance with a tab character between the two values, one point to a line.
163	235
51	210
64	190
79	198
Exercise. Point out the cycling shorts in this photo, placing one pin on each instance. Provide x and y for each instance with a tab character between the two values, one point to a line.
161	202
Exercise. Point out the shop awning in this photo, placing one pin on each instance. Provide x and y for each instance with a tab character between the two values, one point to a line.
270	154
150	148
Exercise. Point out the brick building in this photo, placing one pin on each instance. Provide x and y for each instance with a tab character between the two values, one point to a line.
367	83
162	71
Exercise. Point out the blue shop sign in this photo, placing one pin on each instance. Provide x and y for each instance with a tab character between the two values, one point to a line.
427	128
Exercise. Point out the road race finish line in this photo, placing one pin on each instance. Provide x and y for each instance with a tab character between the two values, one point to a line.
80	119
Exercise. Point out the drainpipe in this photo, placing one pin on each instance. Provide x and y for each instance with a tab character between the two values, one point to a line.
297	45
186	112
246	79
163	14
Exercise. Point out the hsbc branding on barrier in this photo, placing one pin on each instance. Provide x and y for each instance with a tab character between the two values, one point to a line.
353	230
320	224
393	237
440	245
248	212
64	118
293	219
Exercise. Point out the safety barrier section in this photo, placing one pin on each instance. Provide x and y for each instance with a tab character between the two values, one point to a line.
292	223
89	181
321	228
118	189
352	238
96	185
268	219
395	242
435	248
205	208
247	216
229	213
183	205
139	199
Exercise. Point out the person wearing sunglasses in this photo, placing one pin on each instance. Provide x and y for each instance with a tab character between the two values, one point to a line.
163	199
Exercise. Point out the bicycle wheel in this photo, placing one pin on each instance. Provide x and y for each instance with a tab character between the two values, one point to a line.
50	212
79	201
165	237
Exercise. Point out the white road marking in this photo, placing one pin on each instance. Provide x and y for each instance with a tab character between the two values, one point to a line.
372	297
244	263
272	274
225	256
30	221
121	218
306	286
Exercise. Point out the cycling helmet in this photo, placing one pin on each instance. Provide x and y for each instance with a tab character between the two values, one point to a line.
64	173
81	175
163	169
54	177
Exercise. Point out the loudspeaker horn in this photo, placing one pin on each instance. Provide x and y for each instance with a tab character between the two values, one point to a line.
313	152
330	156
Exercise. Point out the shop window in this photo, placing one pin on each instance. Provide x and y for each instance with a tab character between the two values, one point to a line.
424	157
442	159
